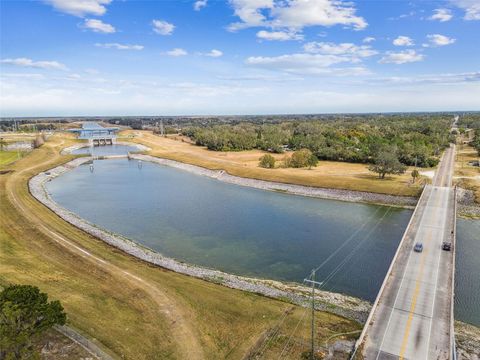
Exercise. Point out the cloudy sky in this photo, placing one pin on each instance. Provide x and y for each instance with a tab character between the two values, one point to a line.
181	57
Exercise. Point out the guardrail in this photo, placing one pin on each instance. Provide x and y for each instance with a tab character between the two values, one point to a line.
85	343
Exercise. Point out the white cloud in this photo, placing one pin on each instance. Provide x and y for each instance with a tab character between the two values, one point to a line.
98	26
279	35
177	52
295	14
403	16
24	76
73	77
214	53
92	71
25	62
368	39
403	41
430	79
441	15
119	46
436	40
249	12
328	48
80	7
312	64
471	7
131	96
163	27
199	4
401	57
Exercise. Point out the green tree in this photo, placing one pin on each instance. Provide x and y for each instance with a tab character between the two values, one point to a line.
386	162
300	158
272	138
24	314
476	143
312	161
415	174
267	161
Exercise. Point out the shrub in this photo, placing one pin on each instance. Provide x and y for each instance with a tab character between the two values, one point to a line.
303	158
267	161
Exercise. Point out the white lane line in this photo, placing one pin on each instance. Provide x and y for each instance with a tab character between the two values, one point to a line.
430	196
444	217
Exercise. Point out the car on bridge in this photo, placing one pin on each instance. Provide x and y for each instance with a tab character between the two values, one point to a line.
447	246
418	247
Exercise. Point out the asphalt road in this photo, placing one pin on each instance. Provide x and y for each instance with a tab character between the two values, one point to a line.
413	317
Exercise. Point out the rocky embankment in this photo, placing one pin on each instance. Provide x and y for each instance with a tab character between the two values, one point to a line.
468	337
323	193
467	206
339	304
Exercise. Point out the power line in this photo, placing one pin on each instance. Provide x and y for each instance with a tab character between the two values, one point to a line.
293	333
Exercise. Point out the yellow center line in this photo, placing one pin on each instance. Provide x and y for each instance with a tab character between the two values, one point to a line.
415	294
412	310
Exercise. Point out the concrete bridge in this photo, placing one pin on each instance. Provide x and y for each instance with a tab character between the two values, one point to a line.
96	135
412	317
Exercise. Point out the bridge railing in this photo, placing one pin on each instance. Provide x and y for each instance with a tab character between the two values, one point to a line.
358	343
454	243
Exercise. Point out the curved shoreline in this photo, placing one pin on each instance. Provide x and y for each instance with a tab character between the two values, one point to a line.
343	305
310	191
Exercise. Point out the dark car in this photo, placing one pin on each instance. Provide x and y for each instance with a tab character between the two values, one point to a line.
418	247
447	246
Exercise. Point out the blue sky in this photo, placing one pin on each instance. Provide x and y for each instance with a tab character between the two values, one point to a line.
104	57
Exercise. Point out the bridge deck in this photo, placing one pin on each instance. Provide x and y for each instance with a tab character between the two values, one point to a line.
412	318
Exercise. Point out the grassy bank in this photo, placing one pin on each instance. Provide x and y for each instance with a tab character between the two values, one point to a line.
7	157
466	175
328	174
134	309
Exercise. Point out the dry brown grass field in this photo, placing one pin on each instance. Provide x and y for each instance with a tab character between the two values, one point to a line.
466	175
132	309
328	174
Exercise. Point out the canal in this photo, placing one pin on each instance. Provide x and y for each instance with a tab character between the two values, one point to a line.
253	232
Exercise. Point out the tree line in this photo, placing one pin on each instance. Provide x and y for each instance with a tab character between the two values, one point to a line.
413	140
472	121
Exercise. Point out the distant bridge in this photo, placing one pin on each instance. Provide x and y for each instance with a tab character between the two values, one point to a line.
412	317
96	134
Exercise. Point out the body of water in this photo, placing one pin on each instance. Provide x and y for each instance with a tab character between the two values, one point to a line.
467	274
105	150
236	229
253	232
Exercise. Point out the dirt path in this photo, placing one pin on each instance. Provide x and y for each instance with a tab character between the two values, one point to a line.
188	344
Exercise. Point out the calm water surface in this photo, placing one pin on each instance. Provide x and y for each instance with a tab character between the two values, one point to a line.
233	228
251	232
467	275
106	150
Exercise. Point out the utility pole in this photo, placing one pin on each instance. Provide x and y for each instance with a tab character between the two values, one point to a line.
313	282
313	314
